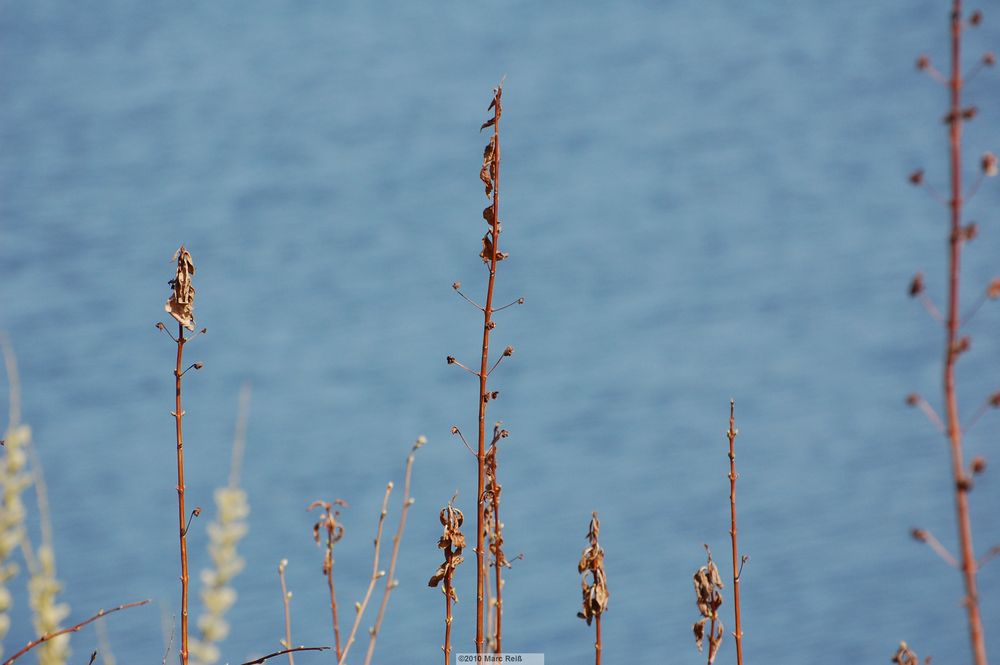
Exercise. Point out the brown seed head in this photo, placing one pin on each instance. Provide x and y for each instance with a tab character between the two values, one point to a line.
993	290
905	656
917	285
919	535
978	465
180	305
989	164
912	399
995	400
923	62
975	18
917	177
989	59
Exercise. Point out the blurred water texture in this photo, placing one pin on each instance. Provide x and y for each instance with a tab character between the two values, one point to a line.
701	201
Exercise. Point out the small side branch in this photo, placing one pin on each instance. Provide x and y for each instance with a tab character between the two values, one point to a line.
986	558
993	402
458	289
283	652
519	301
455	430
72	629
507	353
924	536
453	361
916	400
285	601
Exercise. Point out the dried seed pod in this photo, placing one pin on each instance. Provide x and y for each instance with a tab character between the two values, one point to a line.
452	541
180	305
707	587
905	655
917	285
989	164
917	177
594	581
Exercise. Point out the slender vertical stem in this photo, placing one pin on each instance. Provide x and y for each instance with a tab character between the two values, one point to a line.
483	371
962	485
738	633
285	602
711	638
447	621
181	512
333	610
597	642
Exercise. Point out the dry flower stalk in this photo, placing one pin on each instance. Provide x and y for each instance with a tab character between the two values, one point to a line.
452	541
707	588
955	344
72	629
594	583
334	530
391	582
737	568
490	253
180	306
286	598
359	608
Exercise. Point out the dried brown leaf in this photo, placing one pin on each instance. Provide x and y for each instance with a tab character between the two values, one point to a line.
180	305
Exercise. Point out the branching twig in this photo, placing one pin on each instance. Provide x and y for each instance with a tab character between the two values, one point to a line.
391	582
924	536
334	532
72	629
359	608
731	434
283	652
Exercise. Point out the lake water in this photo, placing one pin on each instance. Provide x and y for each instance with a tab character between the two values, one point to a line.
701	201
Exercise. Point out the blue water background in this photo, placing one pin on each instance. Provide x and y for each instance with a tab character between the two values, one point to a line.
701	200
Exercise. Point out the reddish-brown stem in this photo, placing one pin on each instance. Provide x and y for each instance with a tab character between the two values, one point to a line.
72	629
487	327
962	485
711	641
391	582
731	434
285	598
376	574
597	642
181	512
447	621
333	610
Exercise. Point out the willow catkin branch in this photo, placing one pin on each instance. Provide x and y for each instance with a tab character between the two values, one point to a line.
391	582
72	629
286	598
376	574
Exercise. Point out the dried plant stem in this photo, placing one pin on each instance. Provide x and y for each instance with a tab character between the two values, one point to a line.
737	562
962	485
597	641
283	652
181	511
285	602
447	622
72	629
391	582
491	254
497	567
376	574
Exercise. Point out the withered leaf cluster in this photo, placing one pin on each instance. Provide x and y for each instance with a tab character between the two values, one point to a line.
594	581
707	586
488	173
328	523
492	528
452	541
906	656
180	305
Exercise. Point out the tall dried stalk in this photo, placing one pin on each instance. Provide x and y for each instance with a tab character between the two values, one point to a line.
359	608
595	584
452	541
391	582
493	528
737	561
491	255
334	532
955	344
180	306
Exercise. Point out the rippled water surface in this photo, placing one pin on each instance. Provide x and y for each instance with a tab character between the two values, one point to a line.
701	201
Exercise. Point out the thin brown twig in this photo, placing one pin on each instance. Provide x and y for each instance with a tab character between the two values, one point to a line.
72	629
377	574
286	598
391	582
334	532
283	652
955	119
737	567
455	430
990	554
490	174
